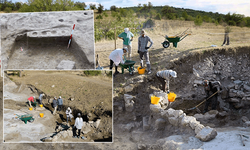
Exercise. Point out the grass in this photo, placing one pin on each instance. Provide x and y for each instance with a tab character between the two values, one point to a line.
92	72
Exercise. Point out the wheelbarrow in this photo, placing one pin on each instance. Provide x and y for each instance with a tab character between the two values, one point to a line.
25	118
129	65
174	39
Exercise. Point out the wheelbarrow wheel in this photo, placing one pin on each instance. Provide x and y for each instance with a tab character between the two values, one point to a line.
31	120
165	44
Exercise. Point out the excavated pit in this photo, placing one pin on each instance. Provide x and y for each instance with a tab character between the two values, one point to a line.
230	66
40	40
46	53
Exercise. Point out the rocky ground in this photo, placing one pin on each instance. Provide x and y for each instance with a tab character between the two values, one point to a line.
93	101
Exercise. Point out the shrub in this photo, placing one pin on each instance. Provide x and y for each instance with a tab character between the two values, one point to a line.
158	16
7	10
198	20
92	72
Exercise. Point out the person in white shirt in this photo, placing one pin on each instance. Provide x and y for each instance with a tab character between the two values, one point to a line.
78	124
116	58
69	114
164	77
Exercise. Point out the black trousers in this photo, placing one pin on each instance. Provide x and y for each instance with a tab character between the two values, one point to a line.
163	83
59	107
111	65
213	100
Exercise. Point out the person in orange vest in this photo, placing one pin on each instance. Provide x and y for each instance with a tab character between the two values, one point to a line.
31	99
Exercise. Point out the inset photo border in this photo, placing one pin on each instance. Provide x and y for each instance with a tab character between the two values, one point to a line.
57	106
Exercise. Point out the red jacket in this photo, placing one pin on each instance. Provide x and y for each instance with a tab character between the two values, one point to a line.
31	98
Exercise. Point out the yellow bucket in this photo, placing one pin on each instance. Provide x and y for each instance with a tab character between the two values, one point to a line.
155	100
30	108
171	97
41	105
41	115
141	70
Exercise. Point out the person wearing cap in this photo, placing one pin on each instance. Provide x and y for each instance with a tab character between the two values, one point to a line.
60	103
31	100
78	124
116	58
164	77
69	114
41	98
127	38
55	103
143	49
210	88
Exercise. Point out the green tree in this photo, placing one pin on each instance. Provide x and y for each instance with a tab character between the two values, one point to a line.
80	5
100	9
113	8
158	16
185	15
168	12
198	20
18	5
92	6
7	9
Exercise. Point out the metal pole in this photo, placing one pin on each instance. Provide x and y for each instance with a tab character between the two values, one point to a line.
115	37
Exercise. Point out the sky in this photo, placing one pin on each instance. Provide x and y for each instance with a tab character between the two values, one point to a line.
220	6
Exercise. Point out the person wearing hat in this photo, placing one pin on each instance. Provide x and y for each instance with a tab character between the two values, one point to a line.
127	38
55	103
69	114
116	58
60	103
78	124
210	88
143	49
31	100
164	77
41	97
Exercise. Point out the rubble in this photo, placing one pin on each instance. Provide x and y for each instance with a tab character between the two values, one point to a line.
206	134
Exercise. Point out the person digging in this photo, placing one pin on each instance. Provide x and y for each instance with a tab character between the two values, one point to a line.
116	58
31	101
164	77
210	89
41	98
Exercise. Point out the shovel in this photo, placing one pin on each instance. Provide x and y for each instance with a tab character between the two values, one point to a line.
196	107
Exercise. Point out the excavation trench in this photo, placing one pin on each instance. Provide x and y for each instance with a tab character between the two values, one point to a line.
49	52
98	114
229	66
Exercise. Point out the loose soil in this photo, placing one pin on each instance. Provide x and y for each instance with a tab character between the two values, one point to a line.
92	97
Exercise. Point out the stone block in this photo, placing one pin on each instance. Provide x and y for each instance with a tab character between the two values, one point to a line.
234	100
155	108
129	88
174	121
160	124
198	128
185	120
206	134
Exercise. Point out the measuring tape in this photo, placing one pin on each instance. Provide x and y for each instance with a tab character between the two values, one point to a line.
71	35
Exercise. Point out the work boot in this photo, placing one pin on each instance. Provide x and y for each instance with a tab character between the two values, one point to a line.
149	68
